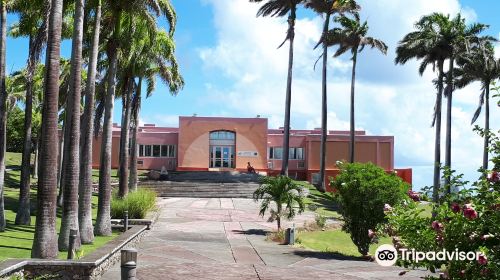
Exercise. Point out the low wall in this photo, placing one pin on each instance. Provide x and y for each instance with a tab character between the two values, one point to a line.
88	268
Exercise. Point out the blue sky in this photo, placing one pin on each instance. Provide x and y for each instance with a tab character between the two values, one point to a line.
232	67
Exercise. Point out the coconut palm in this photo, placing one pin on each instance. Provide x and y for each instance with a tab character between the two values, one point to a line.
113	21
85	189
424	44
71	167
282	191
480	65
3	108
327	8
281	8
45	238
352	36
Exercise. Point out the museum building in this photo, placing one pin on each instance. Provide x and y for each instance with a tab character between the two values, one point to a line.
223	144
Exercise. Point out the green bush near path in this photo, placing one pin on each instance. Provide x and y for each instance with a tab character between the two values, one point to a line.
138	204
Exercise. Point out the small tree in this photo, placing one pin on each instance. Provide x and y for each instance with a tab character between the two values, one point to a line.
362	190
282	191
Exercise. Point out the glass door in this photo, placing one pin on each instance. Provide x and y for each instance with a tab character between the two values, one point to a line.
222	157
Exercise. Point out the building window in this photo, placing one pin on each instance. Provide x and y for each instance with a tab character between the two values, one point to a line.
141	150
147	150
167	151
164	150
276	153
296	153
222	135
156	151
171	151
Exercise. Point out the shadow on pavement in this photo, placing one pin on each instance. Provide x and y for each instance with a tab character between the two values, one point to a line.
328	256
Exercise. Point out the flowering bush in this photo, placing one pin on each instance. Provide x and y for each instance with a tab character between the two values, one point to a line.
364	192
467	221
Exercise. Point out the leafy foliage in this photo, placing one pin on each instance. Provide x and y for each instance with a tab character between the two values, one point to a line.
282	191
137	203
362	190
467	220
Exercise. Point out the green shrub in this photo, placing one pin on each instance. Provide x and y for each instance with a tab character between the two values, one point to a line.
362	190
138	204
467	221
320	220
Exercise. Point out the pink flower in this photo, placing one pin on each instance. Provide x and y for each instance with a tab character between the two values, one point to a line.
455	207
486	236
469	212
494	177
461	273
437	226
387	208
371	233
415	196
482	259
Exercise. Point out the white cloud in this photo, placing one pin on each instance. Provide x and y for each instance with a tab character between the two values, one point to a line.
390	100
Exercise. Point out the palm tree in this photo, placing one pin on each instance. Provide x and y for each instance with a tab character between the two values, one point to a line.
71	168
455	36
156	59
352	36
424	44
327	8
279	190
3	108
45	238
480	65
115	9
85	190
281	8
33	24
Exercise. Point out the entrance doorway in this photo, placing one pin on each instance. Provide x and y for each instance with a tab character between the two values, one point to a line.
222	157
222	149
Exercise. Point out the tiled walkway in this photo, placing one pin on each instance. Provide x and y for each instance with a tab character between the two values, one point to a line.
214	238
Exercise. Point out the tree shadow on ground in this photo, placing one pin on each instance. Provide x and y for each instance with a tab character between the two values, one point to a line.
15	247
324	200
327	256
259	232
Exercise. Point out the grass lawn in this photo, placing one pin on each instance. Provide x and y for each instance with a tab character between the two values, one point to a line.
335	241
16	241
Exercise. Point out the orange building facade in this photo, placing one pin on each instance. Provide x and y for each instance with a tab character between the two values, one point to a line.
219	144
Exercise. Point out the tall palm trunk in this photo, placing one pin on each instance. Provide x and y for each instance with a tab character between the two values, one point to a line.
71	169
437	140
352	131
134	153
288	101
3	109
60	162
124	140
486	126
447	159
45	239
85	191
103	223
23	213
37	158
324	111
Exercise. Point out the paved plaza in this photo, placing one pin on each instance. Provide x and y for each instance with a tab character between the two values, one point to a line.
224	238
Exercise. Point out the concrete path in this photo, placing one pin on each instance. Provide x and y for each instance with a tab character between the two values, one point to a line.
224	238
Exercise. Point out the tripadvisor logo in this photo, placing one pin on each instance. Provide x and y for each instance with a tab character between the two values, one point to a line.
387	255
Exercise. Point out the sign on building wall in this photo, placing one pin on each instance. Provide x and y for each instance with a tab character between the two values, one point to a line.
248	154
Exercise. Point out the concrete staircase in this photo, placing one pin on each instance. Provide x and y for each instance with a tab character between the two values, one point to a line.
206	184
